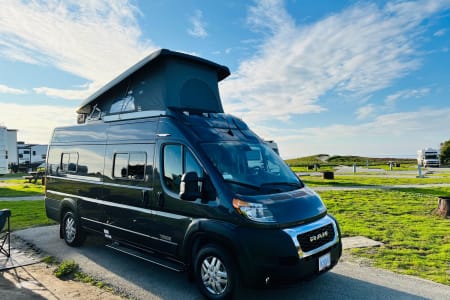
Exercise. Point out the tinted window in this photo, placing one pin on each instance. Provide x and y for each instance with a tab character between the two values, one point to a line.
121	165
136	165
177	161
173	168
251	168
130	165
69	162
191	164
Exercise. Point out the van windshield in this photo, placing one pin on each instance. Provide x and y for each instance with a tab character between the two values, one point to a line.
251	168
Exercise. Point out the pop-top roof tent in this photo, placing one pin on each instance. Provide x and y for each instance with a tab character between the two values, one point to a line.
163	80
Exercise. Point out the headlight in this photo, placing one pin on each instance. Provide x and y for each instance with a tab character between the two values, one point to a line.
254	211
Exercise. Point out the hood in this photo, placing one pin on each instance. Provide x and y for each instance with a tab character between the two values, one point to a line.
294	207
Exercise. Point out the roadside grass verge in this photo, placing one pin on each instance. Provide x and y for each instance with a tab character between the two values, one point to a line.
416	242
362	180
70	270
25	214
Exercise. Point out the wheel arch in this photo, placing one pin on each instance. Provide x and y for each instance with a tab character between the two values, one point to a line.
206	232
67	204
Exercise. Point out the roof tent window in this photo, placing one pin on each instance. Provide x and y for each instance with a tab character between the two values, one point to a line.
123	105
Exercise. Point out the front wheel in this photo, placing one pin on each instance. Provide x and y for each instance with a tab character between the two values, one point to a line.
215	273
71	230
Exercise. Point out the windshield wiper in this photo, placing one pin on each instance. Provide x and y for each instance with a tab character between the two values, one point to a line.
294	184
256	188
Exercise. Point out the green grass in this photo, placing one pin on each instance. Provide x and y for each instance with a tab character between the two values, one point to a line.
18	188
69	269
416	242
25	214
348	160
66	269
362	180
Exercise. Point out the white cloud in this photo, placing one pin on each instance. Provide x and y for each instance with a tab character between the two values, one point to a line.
406	94
390	134
198	28
95	40
9	90
82	92
355	52
35	123
365	111
440	32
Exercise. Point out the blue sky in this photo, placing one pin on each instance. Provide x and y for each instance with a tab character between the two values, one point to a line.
336	77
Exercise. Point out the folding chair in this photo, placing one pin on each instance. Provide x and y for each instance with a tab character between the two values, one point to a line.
5	214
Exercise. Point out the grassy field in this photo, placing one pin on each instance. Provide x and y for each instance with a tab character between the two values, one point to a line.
18	188
367	180
25	214
416	242
346	161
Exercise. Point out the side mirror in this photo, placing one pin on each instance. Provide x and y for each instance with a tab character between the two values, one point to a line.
189	187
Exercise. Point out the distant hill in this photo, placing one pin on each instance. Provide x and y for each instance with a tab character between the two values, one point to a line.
324	159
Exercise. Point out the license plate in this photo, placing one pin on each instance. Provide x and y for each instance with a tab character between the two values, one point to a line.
324	261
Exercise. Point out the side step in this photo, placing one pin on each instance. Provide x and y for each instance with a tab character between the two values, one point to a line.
153	258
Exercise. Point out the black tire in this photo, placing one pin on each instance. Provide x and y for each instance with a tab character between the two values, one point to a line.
71	230
215	273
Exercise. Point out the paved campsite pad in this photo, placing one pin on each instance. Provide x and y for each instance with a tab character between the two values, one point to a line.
22	254
23	276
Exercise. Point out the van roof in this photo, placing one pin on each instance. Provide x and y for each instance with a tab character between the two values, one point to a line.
178	69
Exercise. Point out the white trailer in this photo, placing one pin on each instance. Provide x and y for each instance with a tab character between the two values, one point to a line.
3	150
30	156
428	157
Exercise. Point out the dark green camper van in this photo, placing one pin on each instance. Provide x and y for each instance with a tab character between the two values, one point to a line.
161	172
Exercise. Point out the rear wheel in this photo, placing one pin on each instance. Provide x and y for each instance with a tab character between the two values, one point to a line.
215	273
71	230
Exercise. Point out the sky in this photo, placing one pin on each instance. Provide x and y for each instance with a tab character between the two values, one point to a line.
369	78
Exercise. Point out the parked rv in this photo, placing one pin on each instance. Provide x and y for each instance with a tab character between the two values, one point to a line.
3	150
428	157
30	156
158	169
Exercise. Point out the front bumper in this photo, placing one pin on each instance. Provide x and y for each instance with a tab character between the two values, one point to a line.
276	257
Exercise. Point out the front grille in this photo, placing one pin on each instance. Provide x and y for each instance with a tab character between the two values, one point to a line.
315	238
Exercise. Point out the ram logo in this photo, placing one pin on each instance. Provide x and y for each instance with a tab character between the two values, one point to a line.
318	236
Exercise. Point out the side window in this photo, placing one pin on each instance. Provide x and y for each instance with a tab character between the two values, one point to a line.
130	165
136	165
191	164
69	162
173	167
120	169
177	161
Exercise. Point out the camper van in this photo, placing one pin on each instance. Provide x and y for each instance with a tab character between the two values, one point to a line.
158	169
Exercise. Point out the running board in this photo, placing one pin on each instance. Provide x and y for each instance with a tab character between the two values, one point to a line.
157	260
